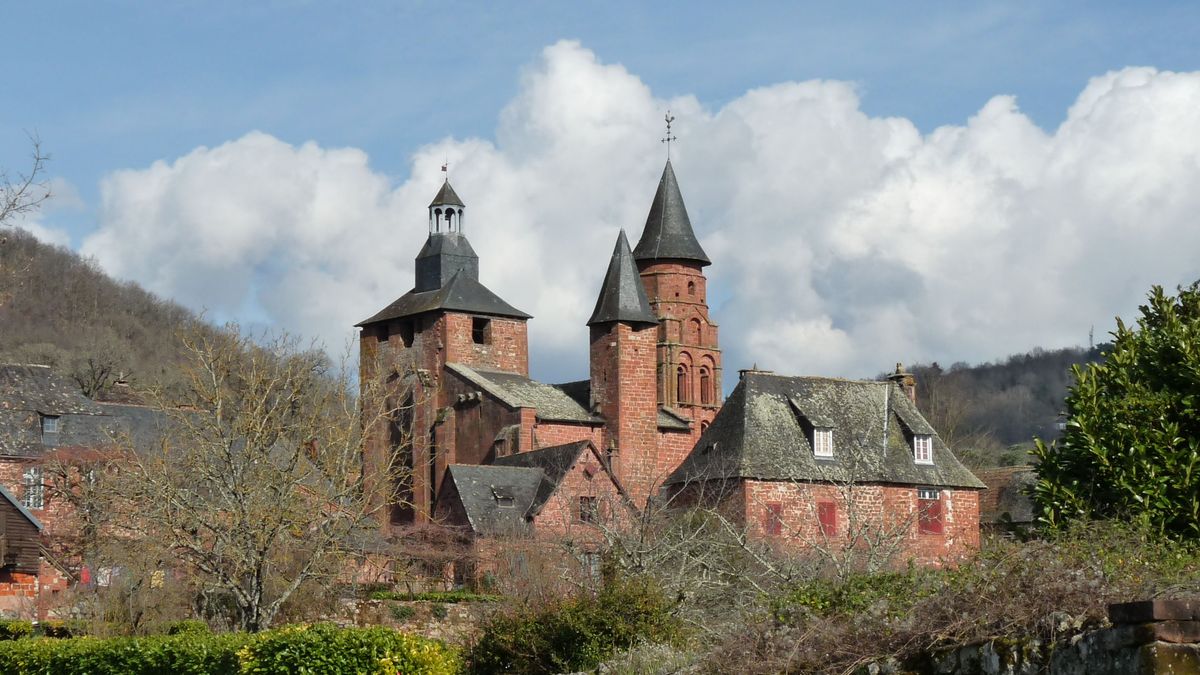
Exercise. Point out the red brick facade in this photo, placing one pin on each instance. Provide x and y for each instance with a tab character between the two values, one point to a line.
623	385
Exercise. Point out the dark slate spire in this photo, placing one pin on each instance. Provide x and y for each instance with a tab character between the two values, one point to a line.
668	233
444	255
446	196
622	296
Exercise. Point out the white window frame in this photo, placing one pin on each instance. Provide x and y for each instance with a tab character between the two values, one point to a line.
51	424
923	448
823	442
33	495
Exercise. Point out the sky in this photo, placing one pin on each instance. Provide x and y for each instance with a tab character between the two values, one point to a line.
874	182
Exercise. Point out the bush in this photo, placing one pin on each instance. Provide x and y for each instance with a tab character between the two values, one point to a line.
402	612
188	626
436	596
576	633
439	611
15	629
1048	589
325	648
319	649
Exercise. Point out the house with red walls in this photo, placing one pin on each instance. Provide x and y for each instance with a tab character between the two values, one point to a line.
649	424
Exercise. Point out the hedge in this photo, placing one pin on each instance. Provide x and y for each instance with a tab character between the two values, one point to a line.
318	649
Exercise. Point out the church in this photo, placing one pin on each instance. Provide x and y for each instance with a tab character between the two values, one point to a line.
483	446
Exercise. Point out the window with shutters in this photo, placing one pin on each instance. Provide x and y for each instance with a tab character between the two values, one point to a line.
929	511
773	520
827	518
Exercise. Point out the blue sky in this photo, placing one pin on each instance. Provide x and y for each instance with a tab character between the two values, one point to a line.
118	86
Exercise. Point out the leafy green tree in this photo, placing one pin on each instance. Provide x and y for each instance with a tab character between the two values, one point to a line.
1131	448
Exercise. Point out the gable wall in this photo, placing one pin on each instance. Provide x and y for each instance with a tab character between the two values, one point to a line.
559	516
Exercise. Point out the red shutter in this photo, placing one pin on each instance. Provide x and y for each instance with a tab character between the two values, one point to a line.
827	517
930	516
773	522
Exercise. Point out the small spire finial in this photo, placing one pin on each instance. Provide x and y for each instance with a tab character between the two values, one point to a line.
668	138
446	169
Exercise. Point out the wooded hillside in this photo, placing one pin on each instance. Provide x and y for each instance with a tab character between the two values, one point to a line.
990	413
62	310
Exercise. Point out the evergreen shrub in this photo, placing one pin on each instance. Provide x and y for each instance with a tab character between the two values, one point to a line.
15	629
320	649
576	633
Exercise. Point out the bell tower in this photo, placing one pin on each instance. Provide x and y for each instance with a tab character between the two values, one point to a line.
671	265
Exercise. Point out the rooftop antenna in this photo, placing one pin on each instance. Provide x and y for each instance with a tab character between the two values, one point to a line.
668	138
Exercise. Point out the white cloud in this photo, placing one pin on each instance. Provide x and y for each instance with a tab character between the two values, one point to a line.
841	242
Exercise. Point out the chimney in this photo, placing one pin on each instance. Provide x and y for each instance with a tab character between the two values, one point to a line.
907	382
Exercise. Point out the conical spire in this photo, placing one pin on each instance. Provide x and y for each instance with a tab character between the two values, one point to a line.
622	296
668	233
446	196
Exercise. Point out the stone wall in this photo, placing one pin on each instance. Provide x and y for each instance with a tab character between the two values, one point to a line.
1146	638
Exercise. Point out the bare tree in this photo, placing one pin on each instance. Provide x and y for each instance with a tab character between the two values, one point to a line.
24	192
256	487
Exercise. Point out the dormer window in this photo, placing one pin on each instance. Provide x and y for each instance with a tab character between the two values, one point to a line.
822	442
504	498
49	424
923	448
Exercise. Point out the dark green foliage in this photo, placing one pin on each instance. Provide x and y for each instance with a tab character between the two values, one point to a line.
327	649
188	654
896	591
401	612
439	611
435	596
188	626
576	633
319	650
1132	444
15	629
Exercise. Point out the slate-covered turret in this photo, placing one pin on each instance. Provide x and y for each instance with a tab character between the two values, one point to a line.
668	233
623	334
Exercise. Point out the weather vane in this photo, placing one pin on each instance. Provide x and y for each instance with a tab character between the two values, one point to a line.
668	138
446	169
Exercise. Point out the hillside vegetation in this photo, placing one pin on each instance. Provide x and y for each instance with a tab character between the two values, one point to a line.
62	310
990	413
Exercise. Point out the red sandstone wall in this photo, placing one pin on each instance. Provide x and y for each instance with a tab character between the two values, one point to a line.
623	382
547	434
886	511
507	348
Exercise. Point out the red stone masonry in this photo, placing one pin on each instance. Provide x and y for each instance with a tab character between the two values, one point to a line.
687	339
623	381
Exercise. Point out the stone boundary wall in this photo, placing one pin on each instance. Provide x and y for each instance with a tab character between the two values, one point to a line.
1147	637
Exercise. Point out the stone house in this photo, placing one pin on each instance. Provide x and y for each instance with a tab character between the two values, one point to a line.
813	462
649	410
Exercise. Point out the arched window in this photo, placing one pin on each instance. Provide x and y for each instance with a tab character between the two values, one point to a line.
694	331
705	387
691	288
437	220
681	389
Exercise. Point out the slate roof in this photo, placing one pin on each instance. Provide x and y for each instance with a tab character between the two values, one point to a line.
622	295
763	432
460	294
517	391
446	196
480	487
11	499
528	478
29	392
668	418
668	233
1005	494
554	462
37	388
